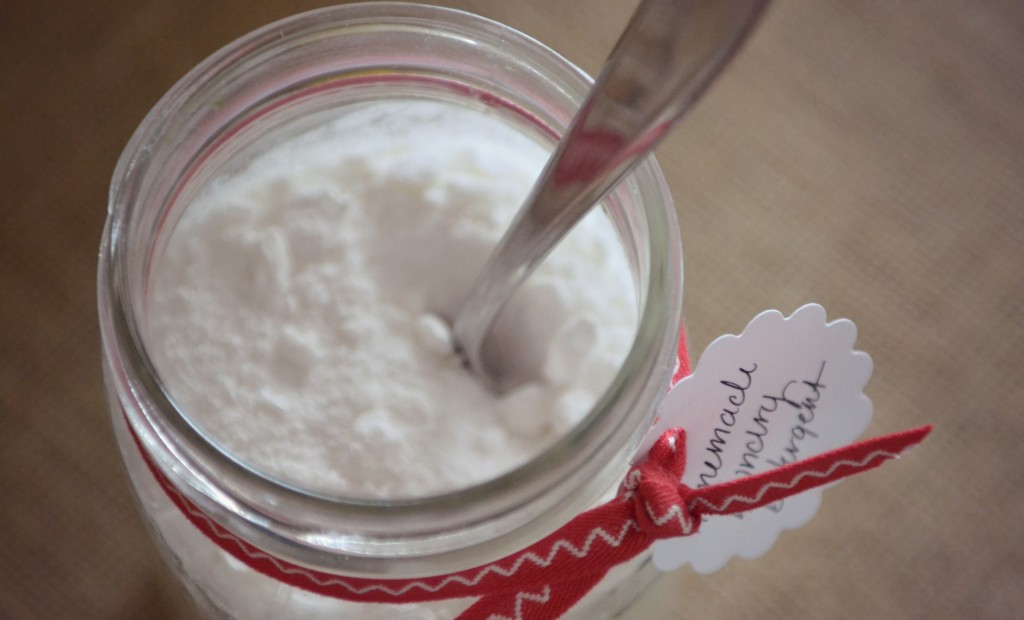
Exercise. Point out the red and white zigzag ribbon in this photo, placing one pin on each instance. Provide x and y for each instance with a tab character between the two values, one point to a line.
547	578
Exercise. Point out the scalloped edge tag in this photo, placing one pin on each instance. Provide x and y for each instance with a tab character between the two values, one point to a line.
787	388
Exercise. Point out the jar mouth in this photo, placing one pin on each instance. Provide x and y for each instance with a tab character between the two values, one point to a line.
175	136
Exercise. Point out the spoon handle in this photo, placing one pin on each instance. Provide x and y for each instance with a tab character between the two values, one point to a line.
669	53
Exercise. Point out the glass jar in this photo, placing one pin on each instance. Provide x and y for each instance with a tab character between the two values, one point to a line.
299	68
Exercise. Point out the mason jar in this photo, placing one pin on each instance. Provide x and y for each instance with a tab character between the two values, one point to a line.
192	489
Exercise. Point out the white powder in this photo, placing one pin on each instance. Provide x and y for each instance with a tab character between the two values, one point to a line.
295	312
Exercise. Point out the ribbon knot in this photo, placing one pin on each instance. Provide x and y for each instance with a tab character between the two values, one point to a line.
662	504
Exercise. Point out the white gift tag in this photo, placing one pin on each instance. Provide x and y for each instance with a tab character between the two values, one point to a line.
784	390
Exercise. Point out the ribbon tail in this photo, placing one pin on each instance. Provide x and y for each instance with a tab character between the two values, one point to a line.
549	577
762	489
682	369
542	601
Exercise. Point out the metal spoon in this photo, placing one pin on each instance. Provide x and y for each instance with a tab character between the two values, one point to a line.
669	53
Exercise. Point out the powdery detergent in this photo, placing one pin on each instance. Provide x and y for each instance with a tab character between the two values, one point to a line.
299	314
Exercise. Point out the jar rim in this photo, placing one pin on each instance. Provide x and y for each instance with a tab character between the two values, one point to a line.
254	498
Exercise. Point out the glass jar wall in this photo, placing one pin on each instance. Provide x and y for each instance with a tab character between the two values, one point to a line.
274	83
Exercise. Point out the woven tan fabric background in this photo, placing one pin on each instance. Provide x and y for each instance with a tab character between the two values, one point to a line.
867	154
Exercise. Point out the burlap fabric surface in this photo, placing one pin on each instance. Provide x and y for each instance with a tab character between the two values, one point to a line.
866	155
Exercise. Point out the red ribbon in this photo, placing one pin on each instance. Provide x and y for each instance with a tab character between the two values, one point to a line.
547	578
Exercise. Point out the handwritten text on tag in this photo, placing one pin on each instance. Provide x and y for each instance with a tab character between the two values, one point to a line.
784	390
